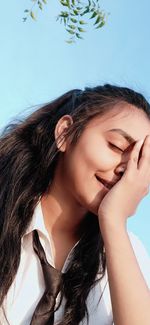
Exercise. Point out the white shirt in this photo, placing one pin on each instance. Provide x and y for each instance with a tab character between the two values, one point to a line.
28	286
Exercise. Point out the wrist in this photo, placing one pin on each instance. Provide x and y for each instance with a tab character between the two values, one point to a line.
112	227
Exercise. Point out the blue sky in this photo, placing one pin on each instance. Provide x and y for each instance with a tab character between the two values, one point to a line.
37	65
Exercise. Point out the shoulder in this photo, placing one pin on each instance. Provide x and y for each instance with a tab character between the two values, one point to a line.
142	256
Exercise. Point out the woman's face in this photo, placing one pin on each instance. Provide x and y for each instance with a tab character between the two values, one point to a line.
101	154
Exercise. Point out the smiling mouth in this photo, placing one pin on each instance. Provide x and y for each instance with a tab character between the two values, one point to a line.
108	186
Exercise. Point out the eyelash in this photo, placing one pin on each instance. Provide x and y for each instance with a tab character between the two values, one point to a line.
115	147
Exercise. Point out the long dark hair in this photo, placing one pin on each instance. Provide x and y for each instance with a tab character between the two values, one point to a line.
28	159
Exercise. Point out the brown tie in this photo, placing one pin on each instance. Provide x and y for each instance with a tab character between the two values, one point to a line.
44	312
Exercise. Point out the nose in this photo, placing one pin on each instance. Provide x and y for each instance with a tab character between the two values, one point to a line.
120	169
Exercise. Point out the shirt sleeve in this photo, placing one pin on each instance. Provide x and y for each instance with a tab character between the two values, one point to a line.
142	256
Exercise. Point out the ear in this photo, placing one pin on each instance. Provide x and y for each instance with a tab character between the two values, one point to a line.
61	127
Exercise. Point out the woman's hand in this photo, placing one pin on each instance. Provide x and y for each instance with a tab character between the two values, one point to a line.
122	200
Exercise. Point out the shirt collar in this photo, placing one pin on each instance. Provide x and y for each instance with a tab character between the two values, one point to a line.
37	222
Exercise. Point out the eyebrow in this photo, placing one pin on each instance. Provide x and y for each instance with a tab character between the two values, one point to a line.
124	134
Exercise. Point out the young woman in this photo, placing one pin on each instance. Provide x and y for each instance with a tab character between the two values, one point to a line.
70	175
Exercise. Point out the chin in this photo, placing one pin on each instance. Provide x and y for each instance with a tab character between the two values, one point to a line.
92	202
95	204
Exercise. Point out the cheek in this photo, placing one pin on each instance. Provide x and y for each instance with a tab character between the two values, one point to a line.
79	176
96	154
78	164
89	158
98	158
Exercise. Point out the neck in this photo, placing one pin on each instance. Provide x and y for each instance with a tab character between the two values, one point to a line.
62	214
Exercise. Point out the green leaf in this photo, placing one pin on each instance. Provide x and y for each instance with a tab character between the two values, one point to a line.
97	20
64	14
65	21
68	3
93	15
70	31
81	30
79	36
85	11
72	26
44	1
70	41
73	20
40	6
101	24
64	3
82	22
32	15
76	12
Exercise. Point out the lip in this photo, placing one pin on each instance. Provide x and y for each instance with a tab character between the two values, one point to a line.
107	184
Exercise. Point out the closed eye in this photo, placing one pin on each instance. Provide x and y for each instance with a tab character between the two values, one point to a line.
115	147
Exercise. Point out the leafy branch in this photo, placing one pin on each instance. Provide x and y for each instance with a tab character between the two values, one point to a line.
76	14
39	4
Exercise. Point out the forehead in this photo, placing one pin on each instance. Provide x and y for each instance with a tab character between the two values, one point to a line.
127	117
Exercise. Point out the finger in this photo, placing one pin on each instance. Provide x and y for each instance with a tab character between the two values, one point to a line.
145	154
135	154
